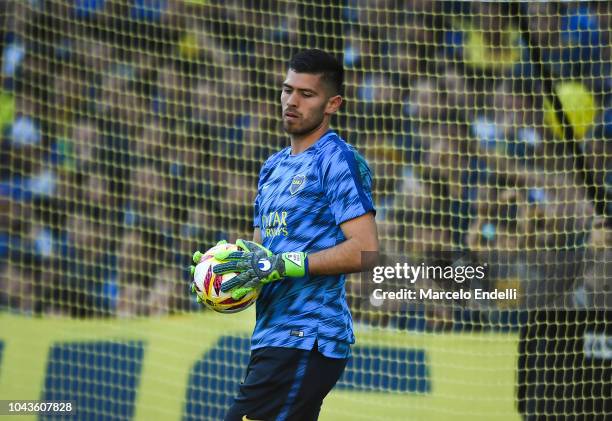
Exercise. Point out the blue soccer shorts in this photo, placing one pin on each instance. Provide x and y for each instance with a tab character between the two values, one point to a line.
285	384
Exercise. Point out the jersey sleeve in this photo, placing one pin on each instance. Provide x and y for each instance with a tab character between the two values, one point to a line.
347	182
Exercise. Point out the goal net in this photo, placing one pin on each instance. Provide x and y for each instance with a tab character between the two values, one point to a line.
133	132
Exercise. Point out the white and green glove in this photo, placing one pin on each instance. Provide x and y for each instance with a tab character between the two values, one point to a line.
257	266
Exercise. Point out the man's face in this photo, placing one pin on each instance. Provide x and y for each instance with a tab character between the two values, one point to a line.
305	101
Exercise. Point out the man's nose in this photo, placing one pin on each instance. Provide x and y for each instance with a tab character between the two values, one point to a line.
292	100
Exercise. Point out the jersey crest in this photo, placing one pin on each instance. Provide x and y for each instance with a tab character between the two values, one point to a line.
297	183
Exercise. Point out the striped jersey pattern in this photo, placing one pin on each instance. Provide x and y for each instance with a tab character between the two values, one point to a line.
301	202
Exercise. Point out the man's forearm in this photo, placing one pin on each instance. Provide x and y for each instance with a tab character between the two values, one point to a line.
343	258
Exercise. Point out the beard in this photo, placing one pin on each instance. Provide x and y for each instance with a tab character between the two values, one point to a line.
305	127
301	130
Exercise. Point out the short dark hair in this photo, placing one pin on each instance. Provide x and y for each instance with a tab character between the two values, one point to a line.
316	61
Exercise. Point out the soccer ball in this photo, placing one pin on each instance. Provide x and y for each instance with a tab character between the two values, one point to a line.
208	284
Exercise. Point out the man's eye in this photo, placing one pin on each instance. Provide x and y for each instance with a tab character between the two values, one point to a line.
307	94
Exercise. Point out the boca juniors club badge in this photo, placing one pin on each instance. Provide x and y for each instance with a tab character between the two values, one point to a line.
297	183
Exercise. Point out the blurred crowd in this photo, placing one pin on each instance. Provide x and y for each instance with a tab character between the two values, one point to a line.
133	132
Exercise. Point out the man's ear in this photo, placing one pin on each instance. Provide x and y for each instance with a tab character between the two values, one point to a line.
333	104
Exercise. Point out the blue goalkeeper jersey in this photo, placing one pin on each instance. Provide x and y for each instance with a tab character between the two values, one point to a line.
301	202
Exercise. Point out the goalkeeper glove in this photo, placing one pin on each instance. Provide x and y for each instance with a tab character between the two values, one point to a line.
257	266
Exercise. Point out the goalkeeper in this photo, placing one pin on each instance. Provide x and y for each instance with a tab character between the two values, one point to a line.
313	218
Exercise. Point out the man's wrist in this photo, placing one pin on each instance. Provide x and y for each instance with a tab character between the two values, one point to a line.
296	264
